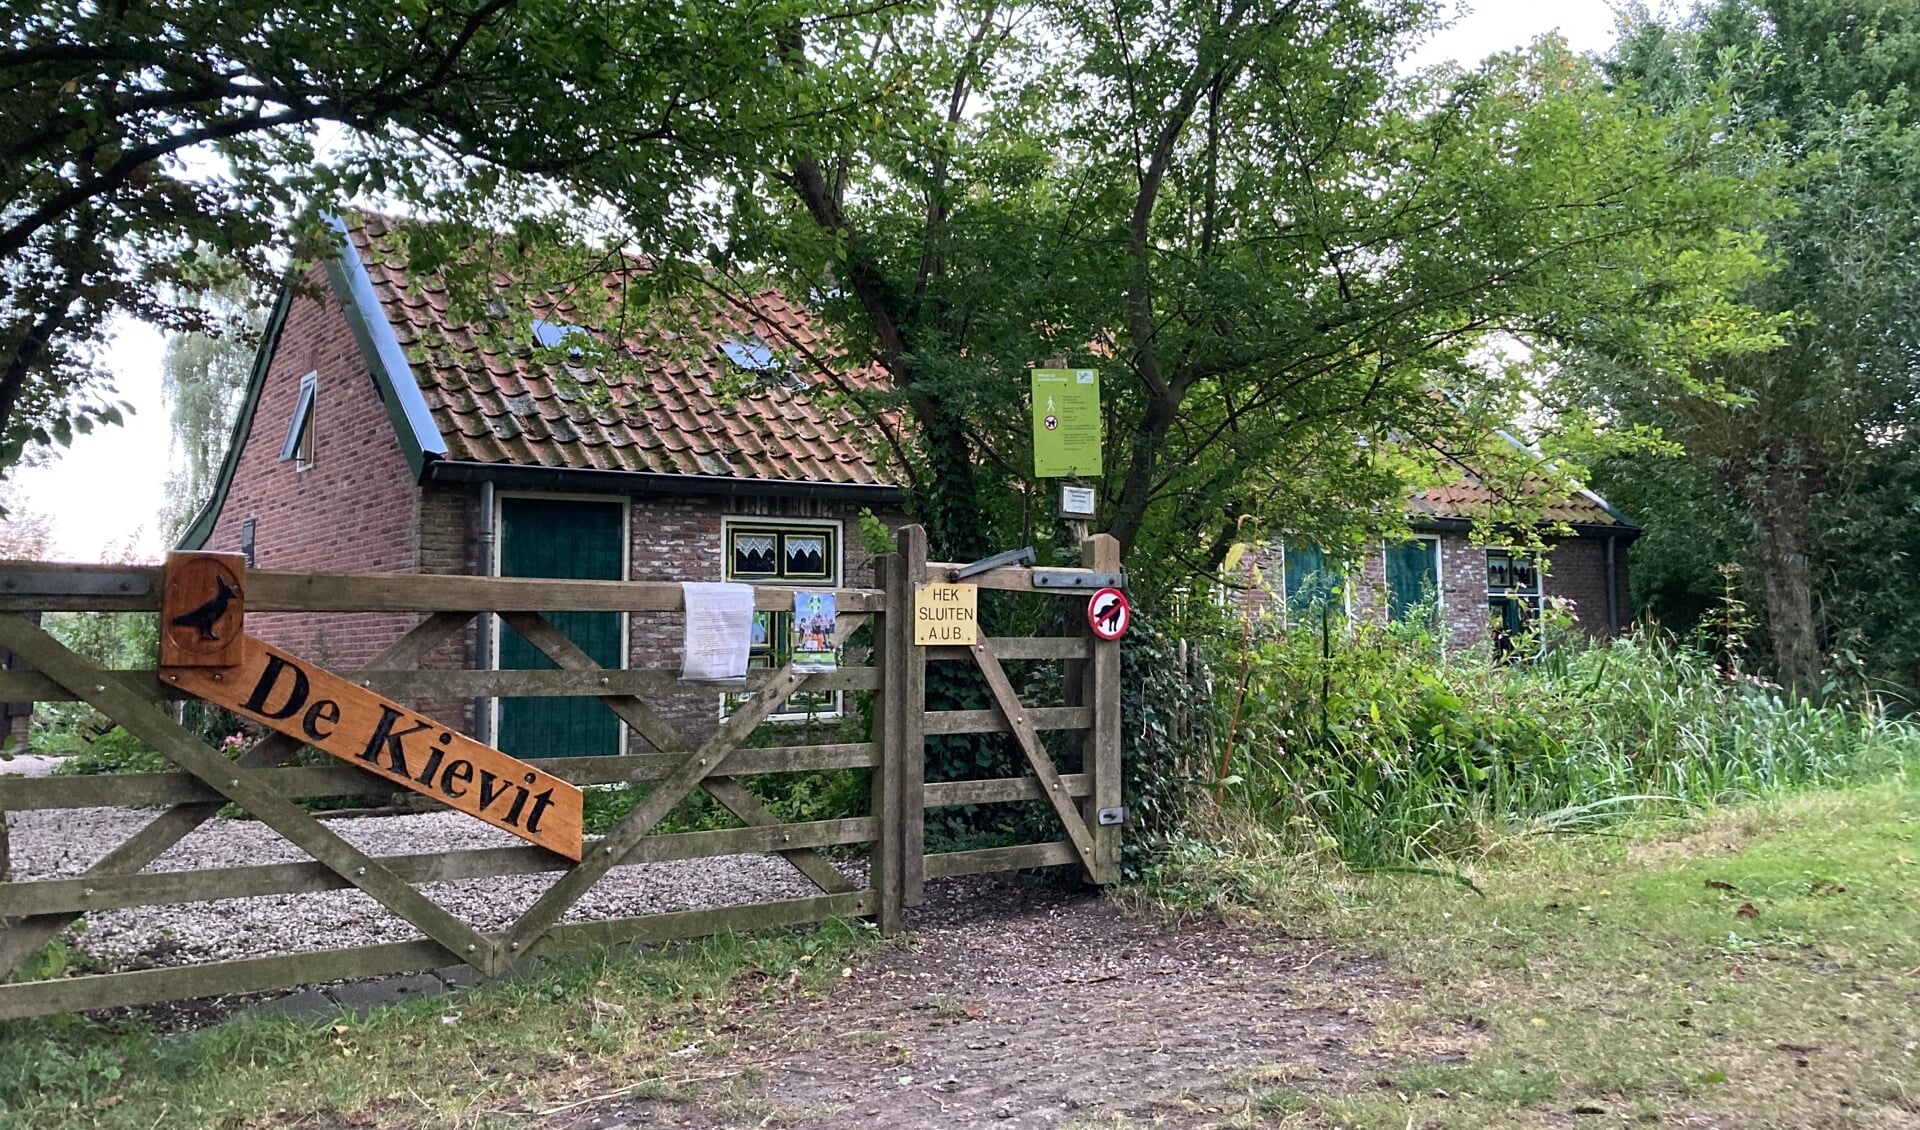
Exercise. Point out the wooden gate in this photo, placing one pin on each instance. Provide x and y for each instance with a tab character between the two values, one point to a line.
262	781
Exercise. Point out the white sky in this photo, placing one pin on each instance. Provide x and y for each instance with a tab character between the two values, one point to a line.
106	491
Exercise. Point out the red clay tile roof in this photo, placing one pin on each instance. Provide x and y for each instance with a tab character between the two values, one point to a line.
1470	499
496	405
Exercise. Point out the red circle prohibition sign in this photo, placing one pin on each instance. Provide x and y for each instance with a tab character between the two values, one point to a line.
1109	614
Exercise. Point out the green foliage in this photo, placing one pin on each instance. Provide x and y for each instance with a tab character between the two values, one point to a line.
1387	751
112	639
158	150
1789	454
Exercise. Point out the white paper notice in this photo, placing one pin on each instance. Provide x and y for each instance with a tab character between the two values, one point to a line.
719	632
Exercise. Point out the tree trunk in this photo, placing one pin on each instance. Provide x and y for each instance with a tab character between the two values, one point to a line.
1780	504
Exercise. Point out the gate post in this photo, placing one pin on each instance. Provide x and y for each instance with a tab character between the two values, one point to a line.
884	861
912	558
1101	752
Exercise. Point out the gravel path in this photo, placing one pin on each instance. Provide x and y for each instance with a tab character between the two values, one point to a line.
56	843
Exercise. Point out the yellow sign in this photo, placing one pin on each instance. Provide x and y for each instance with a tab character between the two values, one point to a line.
946	614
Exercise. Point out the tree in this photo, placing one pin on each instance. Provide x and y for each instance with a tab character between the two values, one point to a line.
148	151
1271	244
203	377
1791	433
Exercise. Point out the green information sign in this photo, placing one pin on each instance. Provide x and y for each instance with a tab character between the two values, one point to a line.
1066	423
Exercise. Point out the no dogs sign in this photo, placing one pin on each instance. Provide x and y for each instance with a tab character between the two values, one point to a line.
1109	614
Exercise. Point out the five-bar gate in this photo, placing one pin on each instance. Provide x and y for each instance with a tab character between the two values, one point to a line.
263	781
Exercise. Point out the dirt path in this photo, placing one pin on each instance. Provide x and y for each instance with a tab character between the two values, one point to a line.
1027	1006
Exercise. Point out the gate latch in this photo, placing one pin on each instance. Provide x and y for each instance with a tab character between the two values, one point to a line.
1109	816
1022	556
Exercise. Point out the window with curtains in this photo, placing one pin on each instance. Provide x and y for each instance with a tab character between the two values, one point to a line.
789	555
1513	597
1413	576
1312	587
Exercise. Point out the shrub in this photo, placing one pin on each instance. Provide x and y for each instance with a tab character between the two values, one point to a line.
1378	742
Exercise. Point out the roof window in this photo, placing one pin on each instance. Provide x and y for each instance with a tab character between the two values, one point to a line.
757	357
548	335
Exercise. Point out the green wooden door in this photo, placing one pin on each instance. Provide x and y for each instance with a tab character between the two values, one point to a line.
582	541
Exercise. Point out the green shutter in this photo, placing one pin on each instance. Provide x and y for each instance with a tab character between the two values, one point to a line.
582	541
1311	586
1413	576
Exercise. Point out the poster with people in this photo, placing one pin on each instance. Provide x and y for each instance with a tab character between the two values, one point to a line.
813	614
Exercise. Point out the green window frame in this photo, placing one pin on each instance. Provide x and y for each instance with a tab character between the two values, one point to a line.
795	554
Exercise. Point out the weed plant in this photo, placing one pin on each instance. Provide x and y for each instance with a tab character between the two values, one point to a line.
1381	747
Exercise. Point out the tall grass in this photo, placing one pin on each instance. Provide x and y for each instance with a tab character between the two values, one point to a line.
1378	746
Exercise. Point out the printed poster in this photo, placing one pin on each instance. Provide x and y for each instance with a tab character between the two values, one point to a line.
813	614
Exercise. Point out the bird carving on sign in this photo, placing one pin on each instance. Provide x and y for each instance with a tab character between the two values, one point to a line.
207	615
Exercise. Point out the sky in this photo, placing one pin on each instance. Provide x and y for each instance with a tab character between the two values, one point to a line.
104	494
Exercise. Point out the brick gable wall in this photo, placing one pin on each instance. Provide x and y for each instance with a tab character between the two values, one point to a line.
356	510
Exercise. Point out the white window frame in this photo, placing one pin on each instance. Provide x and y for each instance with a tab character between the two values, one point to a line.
1539	593
299	445
728	523
625	502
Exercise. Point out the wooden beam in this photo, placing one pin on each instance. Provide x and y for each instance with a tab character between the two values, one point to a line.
1018	647
162	888
1101	751
278	591
993	722
1001	790
24	794
260	974
953	863
912	545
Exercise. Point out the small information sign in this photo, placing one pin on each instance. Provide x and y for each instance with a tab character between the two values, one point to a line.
1077	502
946	614
1066	423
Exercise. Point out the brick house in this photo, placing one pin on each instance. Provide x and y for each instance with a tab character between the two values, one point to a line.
1479	593
375	435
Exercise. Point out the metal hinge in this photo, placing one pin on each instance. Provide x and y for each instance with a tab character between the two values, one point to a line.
1110	816
1077	579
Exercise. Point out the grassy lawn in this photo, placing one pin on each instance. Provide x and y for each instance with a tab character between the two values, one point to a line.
501	1055
1756	968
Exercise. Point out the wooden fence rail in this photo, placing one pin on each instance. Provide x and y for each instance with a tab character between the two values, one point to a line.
261	780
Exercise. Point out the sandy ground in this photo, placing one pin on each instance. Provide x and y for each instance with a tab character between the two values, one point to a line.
1027	1005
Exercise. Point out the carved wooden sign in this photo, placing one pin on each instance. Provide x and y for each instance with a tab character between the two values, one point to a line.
202	610
373	733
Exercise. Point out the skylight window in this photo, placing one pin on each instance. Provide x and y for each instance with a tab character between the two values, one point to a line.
547	334
754	357
768	368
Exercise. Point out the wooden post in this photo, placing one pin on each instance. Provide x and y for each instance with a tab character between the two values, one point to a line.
912	712
1101	757
890	656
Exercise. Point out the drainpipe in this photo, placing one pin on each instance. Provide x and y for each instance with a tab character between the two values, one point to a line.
1613	594
483	632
